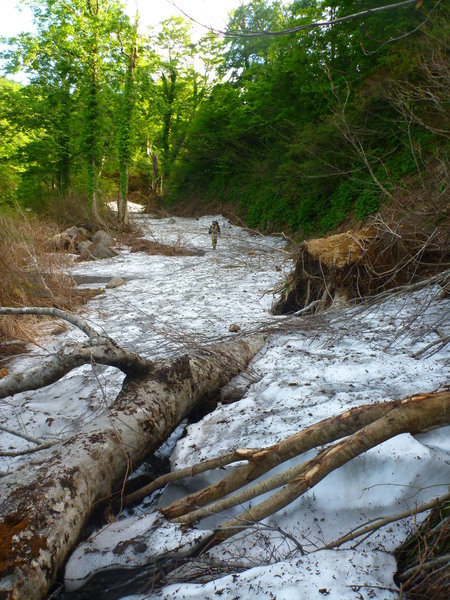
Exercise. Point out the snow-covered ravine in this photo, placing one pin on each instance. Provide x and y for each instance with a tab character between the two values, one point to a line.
301	376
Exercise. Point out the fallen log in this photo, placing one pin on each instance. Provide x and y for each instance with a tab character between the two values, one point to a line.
45	507
88	573
359	428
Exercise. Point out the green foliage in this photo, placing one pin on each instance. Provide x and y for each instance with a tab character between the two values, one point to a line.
301	131
12	140
314	127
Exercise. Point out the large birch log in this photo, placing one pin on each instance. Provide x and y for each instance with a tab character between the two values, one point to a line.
45	507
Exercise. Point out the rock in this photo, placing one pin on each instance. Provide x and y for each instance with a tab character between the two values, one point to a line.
234	328
92	251
83	250
85	244
270	228
100	250
104	238
74	232
115	282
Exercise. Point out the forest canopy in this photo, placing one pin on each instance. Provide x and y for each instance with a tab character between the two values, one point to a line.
296	129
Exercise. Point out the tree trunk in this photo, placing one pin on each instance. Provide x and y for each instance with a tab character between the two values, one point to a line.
125	125
122	200
45	507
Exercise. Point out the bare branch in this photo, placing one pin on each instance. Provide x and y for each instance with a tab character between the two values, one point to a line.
75	320
71	356
28	450
386	520
437	345
207	465
264	460
20	434
427	566
39	445
100	350
410	415
297	28
401	37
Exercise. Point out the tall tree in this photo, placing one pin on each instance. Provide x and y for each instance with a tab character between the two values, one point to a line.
185	73
71	60
126	117
99	23
12	139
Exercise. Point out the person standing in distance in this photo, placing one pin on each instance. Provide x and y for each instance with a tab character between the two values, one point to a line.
214	232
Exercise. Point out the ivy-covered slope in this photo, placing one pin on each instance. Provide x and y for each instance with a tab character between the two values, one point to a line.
312	128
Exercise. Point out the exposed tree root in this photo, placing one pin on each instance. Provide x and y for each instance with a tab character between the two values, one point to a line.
361	264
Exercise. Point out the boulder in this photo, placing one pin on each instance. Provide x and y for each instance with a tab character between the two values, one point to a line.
115	282
83	250
74	232
104	238
85	244
93	251
83	231
99	250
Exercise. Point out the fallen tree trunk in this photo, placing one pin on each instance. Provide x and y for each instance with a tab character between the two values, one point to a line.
353	433
45	507
361	428
413	415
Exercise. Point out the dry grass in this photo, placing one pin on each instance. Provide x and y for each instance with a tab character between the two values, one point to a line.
152	247
31	276
73	210
423	559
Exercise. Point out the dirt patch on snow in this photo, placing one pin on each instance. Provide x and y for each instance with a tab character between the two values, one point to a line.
153	248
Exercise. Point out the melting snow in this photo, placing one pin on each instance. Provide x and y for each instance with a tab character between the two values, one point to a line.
300	377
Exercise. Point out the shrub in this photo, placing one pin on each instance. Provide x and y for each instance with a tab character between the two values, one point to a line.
30	274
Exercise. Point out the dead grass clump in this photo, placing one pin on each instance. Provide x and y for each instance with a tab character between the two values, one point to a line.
153	248
31	276
72	210
69	210
423	559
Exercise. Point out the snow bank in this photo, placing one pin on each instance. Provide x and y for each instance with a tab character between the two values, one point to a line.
304	376
130	543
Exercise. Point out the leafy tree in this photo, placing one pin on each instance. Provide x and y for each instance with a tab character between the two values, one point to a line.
300	141
126	120
12	140
69	63
97	25
178	79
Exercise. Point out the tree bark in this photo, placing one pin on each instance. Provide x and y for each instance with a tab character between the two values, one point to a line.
45	507
412	415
